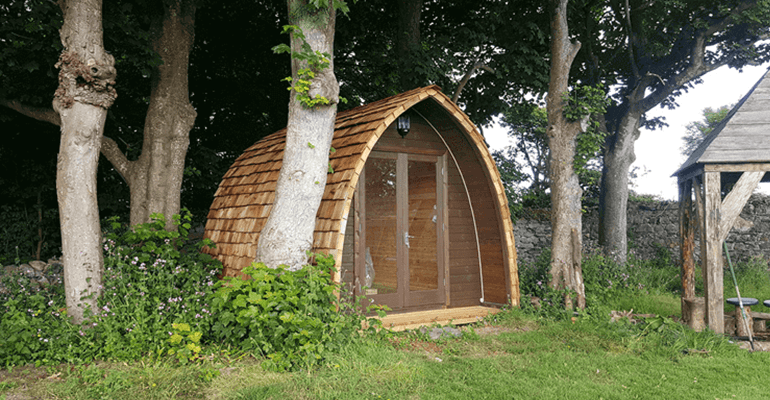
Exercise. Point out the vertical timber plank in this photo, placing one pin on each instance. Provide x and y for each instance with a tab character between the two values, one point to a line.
359	241
444	208
687	241
712	253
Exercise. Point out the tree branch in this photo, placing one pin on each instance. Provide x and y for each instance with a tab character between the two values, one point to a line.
631	42
109	147
697	65
112	153
696	68
476	65
38	113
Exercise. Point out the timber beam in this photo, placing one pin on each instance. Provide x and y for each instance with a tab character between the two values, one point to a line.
715	217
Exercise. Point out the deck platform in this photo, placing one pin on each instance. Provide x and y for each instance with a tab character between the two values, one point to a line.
412	320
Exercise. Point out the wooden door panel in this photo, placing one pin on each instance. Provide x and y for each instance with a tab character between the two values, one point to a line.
402	224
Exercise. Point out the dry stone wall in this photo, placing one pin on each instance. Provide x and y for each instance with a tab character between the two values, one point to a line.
652	225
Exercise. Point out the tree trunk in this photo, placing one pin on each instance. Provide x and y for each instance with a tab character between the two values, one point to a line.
156	177
408	42
86	76
566	213
288	233
613	198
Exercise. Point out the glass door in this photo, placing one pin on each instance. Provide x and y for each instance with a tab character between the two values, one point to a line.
402	230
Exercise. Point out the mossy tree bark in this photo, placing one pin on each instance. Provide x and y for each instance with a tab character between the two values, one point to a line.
288	233
566	216
85	92
408	42
155	178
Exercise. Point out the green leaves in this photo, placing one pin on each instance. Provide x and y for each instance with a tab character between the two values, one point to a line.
585	100
185	344
316	61
293	317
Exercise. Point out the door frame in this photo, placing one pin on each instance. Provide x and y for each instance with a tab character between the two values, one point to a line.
405	298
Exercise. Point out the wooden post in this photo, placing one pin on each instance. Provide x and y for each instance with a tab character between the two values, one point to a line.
711	252
687	245
736	199
740	326
695	310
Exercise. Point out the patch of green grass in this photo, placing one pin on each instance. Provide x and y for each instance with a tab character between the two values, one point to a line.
521	354
666	304
520	357
561	360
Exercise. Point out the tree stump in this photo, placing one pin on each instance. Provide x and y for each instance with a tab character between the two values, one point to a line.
743	327
694	313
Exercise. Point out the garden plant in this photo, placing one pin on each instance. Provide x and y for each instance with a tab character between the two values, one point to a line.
167	327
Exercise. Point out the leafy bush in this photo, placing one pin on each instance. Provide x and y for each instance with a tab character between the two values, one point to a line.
534	277
292	317
153	279
33	323
185	344
605	278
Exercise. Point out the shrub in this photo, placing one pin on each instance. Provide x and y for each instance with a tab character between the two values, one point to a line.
153	278
33	323
19	235
294	318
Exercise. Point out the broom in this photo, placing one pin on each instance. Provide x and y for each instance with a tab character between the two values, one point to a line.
740	300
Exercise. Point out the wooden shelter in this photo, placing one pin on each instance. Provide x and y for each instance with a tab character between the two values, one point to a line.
414	222
722	173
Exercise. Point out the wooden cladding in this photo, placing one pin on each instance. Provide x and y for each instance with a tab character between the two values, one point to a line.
244	198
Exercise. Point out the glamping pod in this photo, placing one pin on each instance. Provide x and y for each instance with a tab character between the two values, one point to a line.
415	222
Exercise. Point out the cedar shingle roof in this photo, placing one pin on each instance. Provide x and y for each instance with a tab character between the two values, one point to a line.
243	201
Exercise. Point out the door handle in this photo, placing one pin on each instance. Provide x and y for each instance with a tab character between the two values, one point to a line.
406	239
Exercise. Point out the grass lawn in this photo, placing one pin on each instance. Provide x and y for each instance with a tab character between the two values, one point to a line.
519	356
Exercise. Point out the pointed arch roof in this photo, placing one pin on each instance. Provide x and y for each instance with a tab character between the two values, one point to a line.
245	196
743	136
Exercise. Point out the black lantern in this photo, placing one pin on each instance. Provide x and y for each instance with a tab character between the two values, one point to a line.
403	125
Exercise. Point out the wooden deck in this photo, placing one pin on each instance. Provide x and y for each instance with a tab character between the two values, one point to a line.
416	319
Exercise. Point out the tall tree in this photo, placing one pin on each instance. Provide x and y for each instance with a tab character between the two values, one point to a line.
86	78
696	131
566	213
527	127
408	45
155	178
652	52
288	232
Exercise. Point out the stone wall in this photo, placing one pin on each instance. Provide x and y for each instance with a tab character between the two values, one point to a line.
652	224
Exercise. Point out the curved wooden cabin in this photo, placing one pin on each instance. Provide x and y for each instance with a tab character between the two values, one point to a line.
426	213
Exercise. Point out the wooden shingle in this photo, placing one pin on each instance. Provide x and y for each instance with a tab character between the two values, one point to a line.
244	198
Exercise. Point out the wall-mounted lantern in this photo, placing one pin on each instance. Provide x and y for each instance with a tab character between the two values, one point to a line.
403	125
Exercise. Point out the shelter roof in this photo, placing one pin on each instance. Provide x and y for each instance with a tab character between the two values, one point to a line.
743	136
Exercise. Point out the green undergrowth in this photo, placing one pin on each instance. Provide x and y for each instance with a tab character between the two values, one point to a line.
282	334
520	356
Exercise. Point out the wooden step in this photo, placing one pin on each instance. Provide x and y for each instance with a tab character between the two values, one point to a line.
457	316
